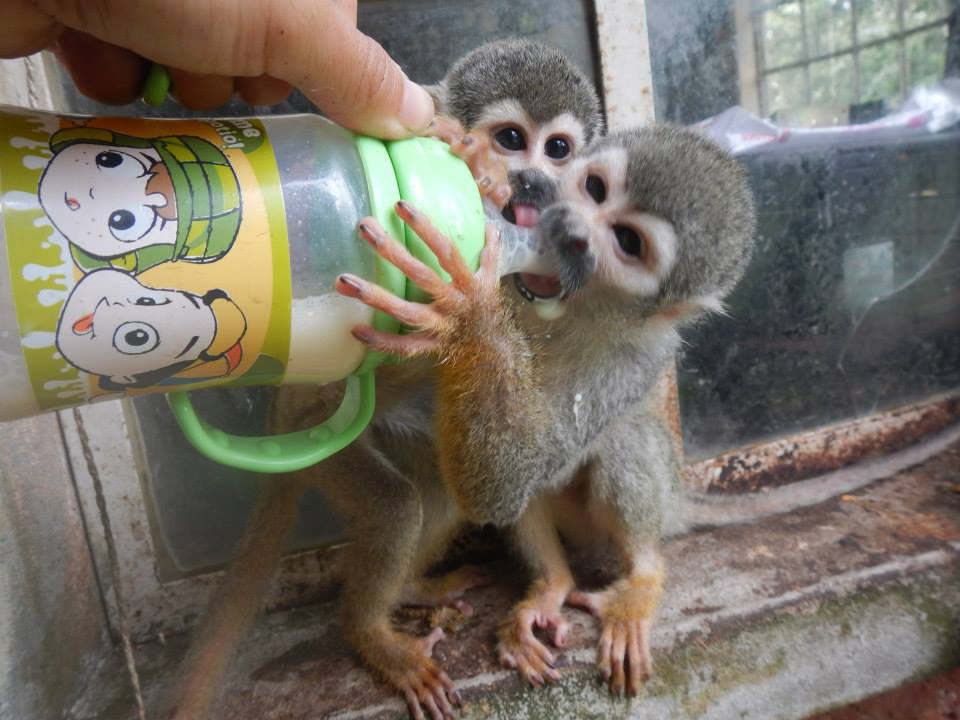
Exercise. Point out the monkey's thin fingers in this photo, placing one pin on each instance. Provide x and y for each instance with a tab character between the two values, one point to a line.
529	671
431	640
619	650
397	255
412	345
634	659
447	254
603	651
409	313
413	704
489	257
450	688
644	640
440	696
431	703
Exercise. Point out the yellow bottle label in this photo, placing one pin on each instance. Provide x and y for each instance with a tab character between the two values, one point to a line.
144	255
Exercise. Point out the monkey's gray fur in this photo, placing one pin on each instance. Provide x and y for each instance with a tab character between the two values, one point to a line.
521	70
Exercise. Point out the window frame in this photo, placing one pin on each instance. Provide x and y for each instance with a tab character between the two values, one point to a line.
751	59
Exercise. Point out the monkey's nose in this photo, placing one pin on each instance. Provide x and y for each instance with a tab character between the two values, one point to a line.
527	179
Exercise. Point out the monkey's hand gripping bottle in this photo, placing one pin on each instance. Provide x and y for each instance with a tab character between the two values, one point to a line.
141	256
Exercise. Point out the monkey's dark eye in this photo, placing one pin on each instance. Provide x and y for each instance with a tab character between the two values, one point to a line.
109	159
557	148
630	240
511	138
596	188
121	220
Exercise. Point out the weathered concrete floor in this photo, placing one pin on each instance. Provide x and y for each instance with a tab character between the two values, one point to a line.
777	619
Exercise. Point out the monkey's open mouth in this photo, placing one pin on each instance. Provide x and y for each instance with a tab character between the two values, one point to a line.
521	214
537	287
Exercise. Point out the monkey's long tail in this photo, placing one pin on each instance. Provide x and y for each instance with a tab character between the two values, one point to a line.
237	601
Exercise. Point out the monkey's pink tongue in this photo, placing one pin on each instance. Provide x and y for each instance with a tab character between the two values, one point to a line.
541	285
527	215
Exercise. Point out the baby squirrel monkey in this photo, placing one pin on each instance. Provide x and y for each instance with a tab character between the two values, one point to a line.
527	106
550	426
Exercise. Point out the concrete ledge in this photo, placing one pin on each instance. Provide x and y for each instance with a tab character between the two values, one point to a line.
778	619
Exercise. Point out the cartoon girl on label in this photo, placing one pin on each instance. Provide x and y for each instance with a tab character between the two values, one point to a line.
132	203
134	336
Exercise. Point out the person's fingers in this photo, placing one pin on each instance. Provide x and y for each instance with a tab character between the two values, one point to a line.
262	90
351	78
25	29
312	44
101	71
198	91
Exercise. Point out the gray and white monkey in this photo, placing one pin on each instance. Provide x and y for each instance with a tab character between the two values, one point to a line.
549	426
386	484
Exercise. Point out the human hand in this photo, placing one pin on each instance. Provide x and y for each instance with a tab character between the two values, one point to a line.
213	48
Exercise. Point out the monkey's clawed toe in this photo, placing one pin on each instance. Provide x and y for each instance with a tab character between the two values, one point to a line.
521	650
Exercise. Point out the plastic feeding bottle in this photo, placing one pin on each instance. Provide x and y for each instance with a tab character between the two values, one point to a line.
142	256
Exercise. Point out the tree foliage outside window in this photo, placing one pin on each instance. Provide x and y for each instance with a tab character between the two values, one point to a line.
843	52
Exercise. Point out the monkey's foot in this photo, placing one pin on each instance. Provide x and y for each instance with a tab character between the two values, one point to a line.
446	590
626	611
474	148
521	650
406	663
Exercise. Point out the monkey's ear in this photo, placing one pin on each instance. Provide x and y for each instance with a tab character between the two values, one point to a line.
439	94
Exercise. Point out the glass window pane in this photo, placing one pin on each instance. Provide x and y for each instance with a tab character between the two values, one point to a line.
785	90
829	26
926	56
782	35
880	72
831	81
921	12
876	19
851	305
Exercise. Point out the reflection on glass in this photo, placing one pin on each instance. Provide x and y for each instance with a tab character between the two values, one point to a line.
786	89
921	12
880	72
782	35
831	81
829	26
925	53
876	19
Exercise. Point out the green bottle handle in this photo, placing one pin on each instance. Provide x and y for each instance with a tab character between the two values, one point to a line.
284	453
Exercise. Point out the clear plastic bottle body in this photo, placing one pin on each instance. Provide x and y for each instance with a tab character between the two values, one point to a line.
324	195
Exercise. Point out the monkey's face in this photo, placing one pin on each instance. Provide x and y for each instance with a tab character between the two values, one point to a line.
536	154
599	237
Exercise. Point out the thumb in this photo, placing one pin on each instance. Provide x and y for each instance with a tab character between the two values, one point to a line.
352	79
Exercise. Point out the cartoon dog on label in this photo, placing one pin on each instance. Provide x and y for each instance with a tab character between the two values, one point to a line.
134	336
132	203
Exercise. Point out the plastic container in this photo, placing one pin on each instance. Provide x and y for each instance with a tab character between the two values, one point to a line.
141	256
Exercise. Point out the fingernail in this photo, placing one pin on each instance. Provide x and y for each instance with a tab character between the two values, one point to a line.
416	108
360	333
350	281
405	208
